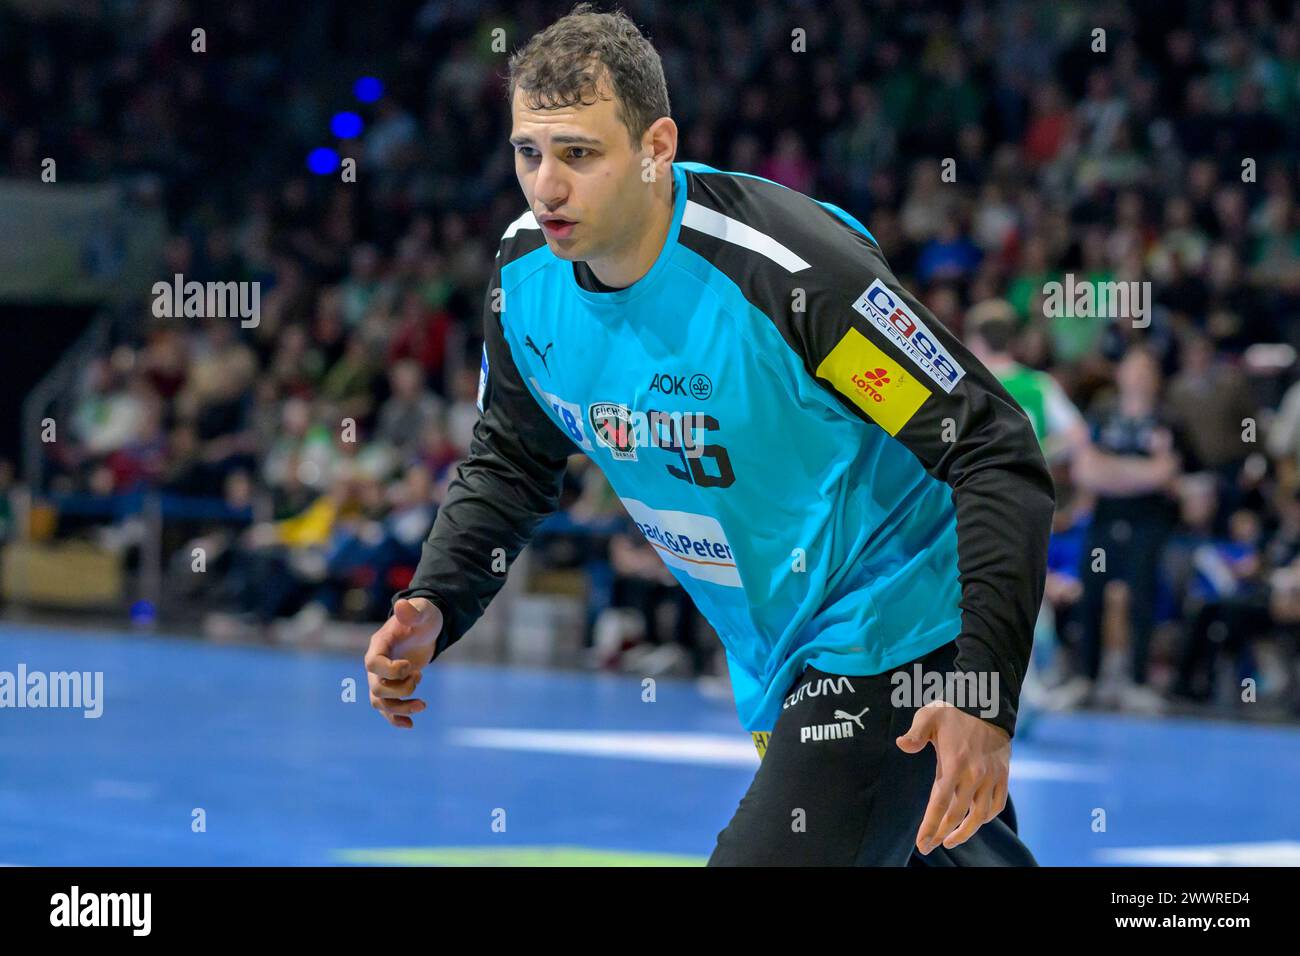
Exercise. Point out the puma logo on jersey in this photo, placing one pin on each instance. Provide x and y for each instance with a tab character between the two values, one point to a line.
528	340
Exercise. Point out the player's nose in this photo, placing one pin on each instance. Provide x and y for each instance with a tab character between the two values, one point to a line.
550	188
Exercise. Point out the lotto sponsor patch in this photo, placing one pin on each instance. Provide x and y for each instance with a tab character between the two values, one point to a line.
905	329
692	543
873	381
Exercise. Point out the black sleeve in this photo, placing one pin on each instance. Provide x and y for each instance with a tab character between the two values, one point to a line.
505	487
825	284
965	429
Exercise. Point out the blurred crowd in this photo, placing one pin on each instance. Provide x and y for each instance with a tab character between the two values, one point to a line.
992	148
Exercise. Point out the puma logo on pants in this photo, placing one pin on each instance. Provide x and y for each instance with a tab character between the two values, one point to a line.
837	731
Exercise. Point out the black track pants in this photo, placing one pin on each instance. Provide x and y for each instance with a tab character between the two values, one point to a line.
834	789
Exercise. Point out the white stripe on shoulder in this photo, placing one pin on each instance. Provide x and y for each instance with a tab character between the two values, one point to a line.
526	221
713	223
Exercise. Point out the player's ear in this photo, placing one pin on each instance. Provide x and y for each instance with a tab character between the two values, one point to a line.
660	143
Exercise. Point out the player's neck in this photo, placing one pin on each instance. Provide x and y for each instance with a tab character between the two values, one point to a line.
621	270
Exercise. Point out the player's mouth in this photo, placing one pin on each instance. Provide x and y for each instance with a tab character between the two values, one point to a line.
559	228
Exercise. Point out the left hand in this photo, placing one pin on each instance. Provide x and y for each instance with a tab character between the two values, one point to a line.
973	762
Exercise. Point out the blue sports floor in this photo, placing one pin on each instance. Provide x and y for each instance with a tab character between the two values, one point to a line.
513	766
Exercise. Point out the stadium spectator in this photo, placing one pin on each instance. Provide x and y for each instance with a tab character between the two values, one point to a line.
1130	467
409	410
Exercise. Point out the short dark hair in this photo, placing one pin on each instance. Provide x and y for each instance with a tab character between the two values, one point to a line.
998	334
993	321
561	66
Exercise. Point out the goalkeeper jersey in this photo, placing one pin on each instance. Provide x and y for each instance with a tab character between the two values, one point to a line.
820	463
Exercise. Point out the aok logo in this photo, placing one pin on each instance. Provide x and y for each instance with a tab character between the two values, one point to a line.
698	387
871	381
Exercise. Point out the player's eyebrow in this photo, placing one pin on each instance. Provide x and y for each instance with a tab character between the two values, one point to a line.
559	139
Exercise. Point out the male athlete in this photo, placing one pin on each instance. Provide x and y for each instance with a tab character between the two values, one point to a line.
854	503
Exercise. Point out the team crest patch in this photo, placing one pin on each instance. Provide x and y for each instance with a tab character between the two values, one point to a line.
612	424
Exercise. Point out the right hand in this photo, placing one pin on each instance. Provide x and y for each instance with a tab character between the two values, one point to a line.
397	654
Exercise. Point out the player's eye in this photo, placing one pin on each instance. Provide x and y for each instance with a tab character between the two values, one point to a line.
575	150
528	152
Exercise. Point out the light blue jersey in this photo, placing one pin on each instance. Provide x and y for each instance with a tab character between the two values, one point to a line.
784	424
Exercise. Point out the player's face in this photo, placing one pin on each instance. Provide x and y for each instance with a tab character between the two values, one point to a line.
578	164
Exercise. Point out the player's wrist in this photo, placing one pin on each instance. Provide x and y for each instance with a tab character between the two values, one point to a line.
999	714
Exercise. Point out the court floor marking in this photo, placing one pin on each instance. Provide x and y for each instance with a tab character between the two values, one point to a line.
716	750
510	856
1269	853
